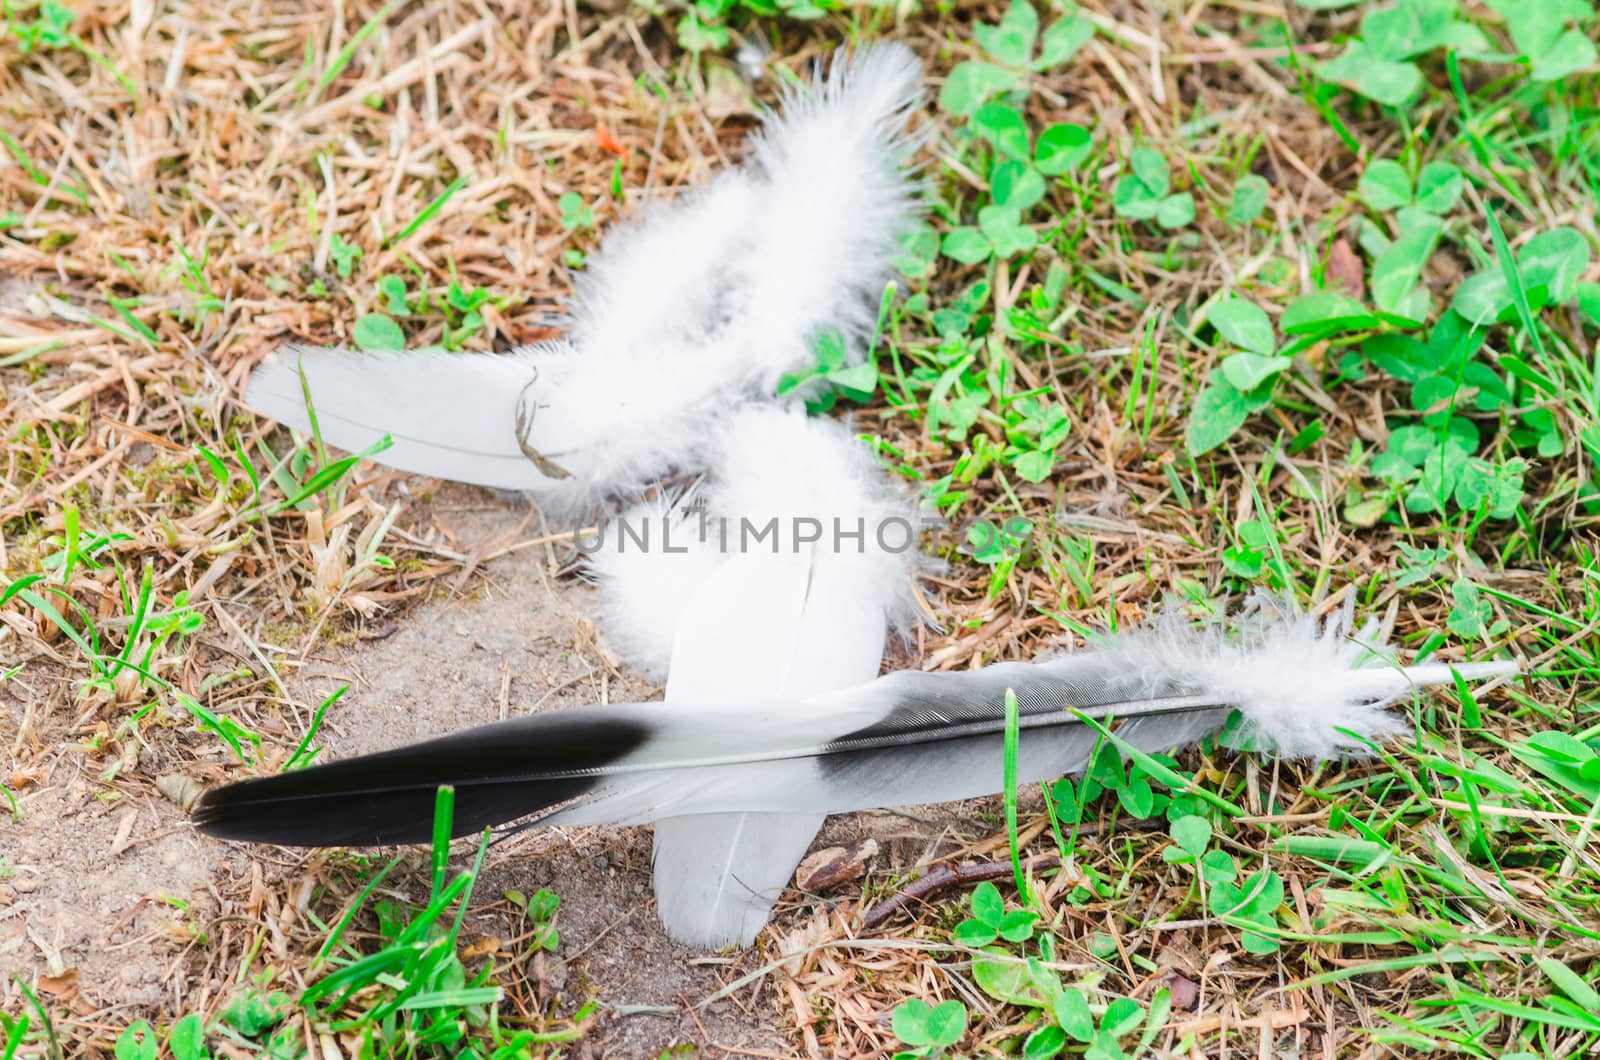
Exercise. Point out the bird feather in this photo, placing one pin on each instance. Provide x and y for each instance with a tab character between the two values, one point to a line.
906	738
776	478
823	614
680	318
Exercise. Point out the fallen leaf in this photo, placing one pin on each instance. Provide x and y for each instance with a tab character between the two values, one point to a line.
832	866
381	630
23	778
123	839
533	334
1344	272
727	94
182	790
1185	992
64	988
609	143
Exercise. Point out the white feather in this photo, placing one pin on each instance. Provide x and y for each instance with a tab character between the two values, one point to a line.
718	875
800	611
834	161
419	399
660	285
776	478
457	416
645	587
681	318
1308	688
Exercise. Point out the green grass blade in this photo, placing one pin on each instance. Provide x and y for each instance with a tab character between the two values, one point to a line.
312	729
1013	730
429	211
346	53
343	923
444	808
1513	278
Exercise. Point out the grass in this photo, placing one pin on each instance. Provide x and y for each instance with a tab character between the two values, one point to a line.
1209	299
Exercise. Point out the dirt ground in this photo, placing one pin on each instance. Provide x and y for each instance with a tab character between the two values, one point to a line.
112	899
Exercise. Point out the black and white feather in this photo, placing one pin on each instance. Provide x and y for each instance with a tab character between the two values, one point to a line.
682	316
764	597
905	738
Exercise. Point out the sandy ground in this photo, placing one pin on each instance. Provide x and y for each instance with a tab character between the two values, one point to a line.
518	644
112	906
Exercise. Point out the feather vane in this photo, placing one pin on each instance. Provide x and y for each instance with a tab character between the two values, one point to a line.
903	739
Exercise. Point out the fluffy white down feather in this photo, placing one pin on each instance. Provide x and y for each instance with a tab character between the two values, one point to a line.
644	588
1307	687
745	271
802	475
835	154
681	317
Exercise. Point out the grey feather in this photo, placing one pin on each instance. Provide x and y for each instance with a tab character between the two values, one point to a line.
450	415
912	737
717	876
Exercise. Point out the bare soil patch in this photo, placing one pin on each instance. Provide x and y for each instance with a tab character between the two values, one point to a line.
113	904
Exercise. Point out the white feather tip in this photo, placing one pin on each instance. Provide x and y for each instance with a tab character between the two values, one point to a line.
1308	687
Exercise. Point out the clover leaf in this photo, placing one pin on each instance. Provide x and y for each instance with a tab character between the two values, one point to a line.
921	1025
1550	34
831	376
1004	127
1378	64
1548	268
1365	72
1243	324
990	921
1191	835
1010	44
1143	193
1062	148
1397	272
375	331
1255	901
1219	410
1323	313
1249	199
1385	185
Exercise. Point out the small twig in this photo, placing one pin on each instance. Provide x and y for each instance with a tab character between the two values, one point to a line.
704	1037
645	1010
947	875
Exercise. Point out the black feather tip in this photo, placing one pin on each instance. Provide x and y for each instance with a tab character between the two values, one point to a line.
500	772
